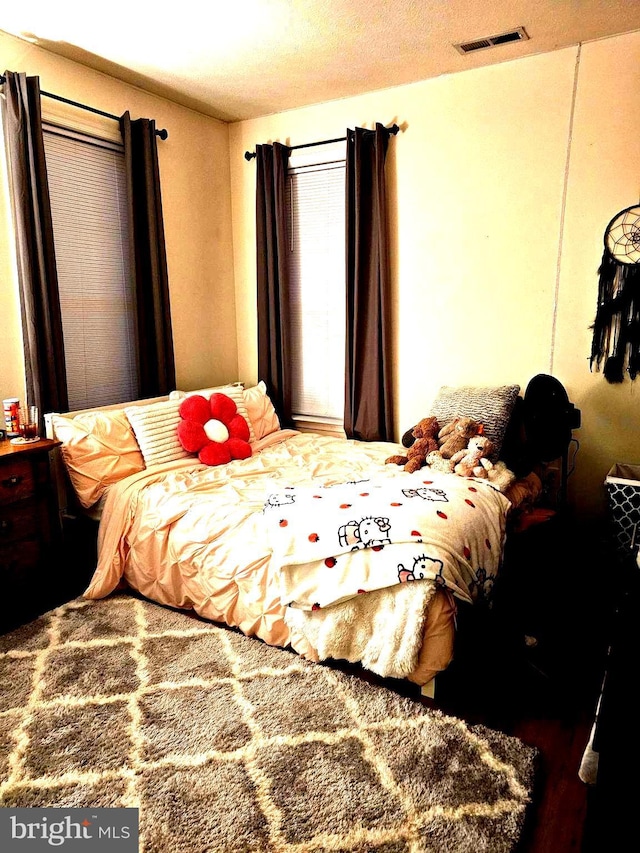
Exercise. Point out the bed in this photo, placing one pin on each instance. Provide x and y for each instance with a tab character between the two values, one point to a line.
314	542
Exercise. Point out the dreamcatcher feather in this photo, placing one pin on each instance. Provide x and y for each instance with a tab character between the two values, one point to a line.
616	328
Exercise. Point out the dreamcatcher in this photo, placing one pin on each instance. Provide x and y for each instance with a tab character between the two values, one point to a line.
616	328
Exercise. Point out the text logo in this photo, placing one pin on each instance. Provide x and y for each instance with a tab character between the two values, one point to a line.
33	830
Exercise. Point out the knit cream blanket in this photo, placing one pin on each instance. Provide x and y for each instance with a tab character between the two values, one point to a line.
382	629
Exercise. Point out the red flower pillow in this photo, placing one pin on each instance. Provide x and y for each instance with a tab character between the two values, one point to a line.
213	429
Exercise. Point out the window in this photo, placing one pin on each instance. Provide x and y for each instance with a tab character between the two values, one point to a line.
316	207
87	185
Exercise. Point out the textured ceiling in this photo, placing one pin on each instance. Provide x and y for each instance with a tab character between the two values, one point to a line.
252	58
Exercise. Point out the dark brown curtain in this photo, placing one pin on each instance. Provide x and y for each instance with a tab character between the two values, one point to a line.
156	364
368	401
45	369
272	275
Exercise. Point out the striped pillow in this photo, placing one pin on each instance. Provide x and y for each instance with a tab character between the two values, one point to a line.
155	428
492	407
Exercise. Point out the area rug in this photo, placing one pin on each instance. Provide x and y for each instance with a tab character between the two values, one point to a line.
226	744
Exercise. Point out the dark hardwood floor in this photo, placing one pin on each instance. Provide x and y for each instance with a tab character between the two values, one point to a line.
547	694
546	697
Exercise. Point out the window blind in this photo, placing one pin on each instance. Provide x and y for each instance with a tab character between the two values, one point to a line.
87	185
316	204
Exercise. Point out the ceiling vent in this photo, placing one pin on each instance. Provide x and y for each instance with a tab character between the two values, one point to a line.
519	34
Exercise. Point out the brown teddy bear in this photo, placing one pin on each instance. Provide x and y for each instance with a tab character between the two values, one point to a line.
474	460
425	433
455	435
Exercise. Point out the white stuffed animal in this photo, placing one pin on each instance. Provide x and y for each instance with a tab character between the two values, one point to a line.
500	476
437	462
474	460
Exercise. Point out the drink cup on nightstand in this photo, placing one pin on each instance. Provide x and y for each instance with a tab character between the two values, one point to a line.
29	427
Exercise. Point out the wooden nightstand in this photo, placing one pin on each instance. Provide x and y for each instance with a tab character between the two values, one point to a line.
30	532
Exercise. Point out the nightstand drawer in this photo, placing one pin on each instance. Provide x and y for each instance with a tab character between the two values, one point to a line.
30	533
16	481
16	565
18	521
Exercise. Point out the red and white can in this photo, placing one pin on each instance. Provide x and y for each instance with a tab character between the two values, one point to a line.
11	408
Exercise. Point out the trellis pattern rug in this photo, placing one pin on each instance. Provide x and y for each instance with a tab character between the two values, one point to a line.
226	744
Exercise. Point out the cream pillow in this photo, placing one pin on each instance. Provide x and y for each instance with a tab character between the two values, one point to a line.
155	428
262	414
98	449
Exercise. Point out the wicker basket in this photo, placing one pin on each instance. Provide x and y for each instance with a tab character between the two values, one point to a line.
623	490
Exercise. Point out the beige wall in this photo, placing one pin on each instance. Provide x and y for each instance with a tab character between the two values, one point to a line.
194	169
502	183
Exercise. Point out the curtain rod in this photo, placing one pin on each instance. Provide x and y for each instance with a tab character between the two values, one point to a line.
163	134
249	155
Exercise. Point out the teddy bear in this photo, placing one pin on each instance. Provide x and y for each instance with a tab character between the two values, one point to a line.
437	462
500	476
473	461
425	433
455	435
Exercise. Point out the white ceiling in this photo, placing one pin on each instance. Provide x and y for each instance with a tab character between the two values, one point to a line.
249	58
